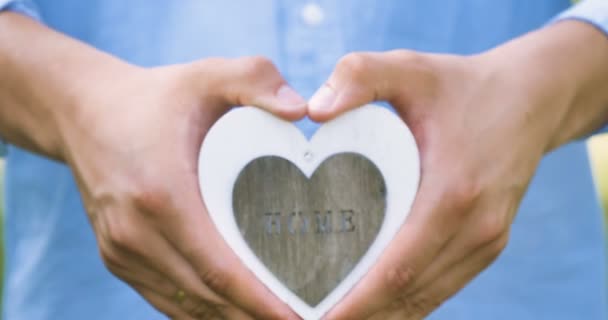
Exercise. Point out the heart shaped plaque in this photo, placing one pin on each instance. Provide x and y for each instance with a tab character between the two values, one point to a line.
309	218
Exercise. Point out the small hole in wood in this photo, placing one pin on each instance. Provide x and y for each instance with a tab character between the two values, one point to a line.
308	156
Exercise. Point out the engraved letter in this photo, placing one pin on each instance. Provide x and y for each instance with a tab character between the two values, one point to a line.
290	219
323	222
273	220
303	222
347	224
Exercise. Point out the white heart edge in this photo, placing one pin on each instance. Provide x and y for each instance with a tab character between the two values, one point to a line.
247	133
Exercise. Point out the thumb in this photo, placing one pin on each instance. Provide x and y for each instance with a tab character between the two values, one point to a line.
364	77
255	81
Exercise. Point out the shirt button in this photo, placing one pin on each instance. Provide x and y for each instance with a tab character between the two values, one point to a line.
312	14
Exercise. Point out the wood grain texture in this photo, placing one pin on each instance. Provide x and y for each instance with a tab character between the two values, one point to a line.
310	232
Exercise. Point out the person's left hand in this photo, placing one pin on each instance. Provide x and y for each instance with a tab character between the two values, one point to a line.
482	124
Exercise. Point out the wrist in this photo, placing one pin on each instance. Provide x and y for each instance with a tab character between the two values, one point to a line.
536	107
93	89
46	83
561	74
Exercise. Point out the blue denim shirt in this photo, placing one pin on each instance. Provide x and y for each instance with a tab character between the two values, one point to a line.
553	267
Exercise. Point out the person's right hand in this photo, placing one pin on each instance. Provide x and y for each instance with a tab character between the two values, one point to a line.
133	147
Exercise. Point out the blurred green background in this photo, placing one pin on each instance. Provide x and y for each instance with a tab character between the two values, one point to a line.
598	151
1	224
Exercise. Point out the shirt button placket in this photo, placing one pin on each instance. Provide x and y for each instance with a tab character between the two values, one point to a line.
312	14
312	43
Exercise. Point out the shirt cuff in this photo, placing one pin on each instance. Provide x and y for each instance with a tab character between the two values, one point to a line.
25	7
594	12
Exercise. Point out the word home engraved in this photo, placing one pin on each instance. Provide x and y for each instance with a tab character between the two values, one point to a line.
297	222
310	232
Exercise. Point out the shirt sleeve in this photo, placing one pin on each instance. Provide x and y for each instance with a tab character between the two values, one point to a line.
25	7
594	12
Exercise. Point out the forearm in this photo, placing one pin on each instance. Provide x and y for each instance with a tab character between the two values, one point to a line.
562	72
46	78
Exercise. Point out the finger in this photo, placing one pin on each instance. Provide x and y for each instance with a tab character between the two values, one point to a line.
160	286
361	78
193	233
196	307
436	215
487	225
254	81
207	299
164	305
160	268
155	264
134	272
182	274
234	314
395	314
418	303
463	272
205	311
422	302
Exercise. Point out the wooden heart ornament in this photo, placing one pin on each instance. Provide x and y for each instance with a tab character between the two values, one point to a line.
309	218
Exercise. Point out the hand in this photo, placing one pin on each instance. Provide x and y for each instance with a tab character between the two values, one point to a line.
133	146
131	137
482	123
476	161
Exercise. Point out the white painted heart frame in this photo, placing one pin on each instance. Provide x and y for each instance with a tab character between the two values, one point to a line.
247	133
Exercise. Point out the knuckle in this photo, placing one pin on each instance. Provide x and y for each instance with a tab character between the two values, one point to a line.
192	73
112	260
498	245
150	201
122	236
217	279
354	65
417	306
204	312
255	66
190	307
400	278
202	67
118	238
461	195
404	56
492	230
272	314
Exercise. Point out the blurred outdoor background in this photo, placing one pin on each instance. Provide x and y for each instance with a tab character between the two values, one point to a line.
598	149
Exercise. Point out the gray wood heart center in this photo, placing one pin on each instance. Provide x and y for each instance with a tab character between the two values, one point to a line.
310	232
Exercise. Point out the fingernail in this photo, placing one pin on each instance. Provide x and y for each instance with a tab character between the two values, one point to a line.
289	97
323	99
